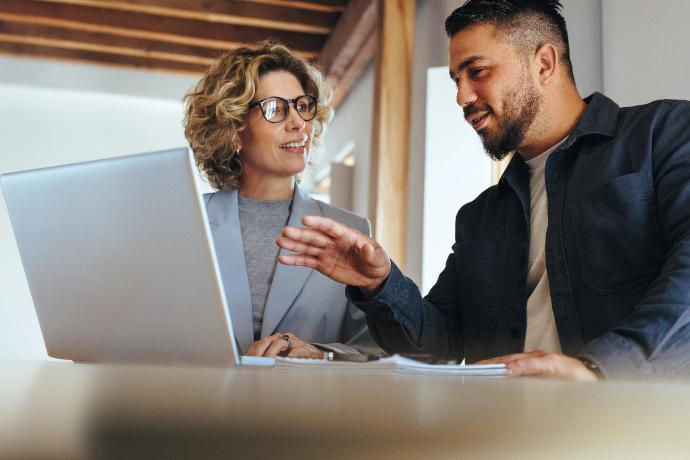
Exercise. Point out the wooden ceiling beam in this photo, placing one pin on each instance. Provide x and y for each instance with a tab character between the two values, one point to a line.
225	11
351	46
91	57
313	5
33	34
354	27
113	50
348	78
147	26
192	32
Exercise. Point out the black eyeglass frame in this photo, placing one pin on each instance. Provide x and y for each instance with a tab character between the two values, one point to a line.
287	105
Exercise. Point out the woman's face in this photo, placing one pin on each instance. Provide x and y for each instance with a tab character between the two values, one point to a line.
275	150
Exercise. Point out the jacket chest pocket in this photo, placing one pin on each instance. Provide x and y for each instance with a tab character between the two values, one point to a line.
480	266
617	235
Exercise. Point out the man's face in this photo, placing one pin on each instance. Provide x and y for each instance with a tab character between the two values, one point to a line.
495	89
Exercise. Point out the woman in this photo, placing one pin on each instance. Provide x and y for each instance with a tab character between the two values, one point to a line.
251	122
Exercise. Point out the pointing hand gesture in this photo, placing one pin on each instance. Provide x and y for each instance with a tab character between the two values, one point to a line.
339	252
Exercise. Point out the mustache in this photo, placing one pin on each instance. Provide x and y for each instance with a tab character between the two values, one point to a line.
474	109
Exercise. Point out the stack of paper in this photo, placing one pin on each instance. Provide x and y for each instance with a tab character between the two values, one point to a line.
391	365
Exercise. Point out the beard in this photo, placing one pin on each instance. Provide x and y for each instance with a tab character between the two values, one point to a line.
520	107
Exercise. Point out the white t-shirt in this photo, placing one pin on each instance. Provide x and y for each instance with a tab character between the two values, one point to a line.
541	333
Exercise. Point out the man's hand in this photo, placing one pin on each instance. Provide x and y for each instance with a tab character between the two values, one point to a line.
339	252
545	364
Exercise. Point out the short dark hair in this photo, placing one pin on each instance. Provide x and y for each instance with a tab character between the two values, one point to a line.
527	24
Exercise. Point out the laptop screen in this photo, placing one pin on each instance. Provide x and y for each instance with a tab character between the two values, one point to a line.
120	262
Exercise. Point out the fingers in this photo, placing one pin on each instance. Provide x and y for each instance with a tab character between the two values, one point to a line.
330	227
367	252
552	365
320	232
276	345
499	360
298	246
299	260
373	255
305	236
544	364
306	242
306	353
268	346
510	358
305	350
279	346
530	365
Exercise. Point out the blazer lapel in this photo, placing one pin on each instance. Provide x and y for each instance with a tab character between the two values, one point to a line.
288	281
224	217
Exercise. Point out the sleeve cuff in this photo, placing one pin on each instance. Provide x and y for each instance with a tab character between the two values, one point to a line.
591	365
379	305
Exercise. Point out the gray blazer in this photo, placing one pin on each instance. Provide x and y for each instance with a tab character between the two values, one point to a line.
301	301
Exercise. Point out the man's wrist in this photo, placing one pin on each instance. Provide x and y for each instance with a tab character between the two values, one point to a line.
368	292
592	367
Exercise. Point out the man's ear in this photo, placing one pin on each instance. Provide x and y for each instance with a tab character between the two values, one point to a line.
546	63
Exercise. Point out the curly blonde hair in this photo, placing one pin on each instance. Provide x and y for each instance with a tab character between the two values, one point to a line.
216	108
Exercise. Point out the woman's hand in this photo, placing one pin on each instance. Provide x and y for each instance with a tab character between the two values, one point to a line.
276	345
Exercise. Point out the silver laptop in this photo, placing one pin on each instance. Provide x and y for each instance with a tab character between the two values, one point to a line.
120	261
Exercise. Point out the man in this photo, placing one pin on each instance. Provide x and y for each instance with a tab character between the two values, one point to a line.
576	264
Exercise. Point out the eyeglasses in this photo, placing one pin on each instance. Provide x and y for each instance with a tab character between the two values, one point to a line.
276	109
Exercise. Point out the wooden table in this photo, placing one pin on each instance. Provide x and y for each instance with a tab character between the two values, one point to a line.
55	410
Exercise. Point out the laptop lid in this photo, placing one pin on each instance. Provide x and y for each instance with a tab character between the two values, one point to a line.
120	262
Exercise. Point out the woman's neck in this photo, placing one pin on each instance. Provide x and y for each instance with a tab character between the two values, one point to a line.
267	190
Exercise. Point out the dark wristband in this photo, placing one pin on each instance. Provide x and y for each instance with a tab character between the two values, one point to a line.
593	367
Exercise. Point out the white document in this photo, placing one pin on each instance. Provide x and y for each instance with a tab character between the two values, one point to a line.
395	364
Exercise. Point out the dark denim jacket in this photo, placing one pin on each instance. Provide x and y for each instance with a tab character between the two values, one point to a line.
617	254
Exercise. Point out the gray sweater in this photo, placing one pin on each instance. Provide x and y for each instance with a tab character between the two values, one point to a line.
261	222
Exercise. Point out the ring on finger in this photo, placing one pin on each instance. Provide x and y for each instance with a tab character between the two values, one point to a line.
287	338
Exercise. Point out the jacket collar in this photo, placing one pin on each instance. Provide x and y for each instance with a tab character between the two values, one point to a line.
288	281
223	215
600	118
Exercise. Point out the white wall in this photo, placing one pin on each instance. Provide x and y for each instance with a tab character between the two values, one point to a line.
645	48
43	125
92	78
351	130
456	171
583	18
431	50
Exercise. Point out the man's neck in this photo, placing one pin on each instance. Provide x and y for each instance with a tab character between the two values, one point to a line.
555	125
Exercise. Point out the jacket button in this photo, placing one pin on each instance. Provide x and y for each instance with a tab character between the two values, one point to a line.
515	332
